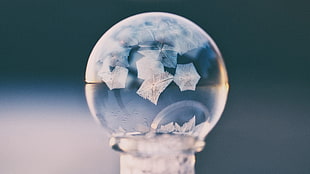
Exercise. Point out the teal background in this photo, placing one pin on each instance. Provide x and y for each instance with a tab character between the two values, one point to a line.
44	47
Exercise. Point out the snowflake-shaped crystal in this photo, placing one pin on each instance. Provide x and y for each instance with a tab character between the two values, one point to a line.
154	86
186	77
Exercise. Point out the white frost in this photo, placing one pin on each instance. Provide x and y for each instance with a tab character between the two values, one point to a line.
115	55
186	77
154	86
147	67
188	41
172	127
118	58
150	53
163	52
115	79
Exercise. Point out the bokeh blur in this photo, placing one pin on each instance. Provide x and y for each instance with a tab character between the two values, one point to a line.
45	125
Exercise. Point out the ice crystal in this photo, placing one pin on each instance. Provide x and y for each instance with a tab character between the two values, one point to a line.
118	58
115	55
147	67
163	52
186	76
188	41
115	79
175	128
154	86
159	41
125	38
150	53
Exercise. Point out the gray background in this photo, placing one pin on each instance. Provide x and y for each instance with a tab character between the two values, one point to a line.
45	126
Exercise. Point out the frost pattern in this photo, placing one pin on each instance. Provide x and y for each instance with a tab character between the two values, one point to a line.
188	43
173	127
186	77
162	30
147	48
153	87
188	128
150	53
163	52
119	58
115	79
115	55
181	163
147	67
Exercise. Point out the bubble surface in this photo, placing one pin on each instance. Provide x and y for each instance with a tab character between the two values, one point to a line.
156	73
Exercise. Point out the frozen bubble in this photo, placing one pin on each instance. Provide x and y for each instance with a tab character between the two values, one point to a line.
186	77
142	55
153	87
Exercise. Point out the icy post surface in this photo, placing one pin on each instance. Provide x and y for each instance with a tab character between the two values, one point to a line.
157	153
168	164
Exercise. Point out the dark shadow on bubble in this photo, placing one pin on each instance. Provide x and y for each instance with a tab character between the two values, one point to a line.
203	58
133	57
170	70
119	99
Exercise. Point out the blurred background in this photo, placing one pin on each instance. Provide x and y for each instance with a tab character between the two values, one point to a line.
45	125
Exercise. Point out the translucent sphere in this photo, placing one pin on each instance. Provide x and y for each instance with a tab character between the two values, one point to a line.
156	73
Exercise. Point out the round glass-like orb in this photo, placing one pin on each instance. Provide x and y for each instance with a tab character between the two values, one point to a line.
156	73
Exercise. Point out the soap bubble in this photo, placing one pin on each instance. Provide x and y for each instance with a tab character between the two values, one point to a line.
156	73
